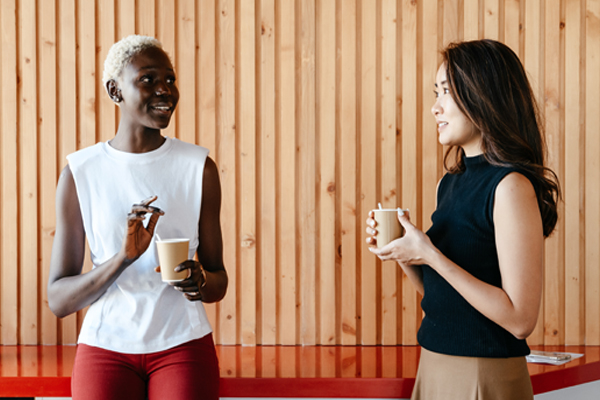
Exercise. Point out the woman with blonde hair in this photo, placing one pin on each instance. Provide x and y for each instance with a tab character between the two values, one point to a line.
141	338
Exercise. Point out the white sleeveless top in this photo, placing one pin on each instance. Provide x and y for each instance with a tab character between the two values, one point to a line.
139	313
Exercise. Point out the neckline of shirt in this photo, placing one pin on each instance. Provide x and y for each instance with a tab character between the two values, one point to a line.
128	157
475	160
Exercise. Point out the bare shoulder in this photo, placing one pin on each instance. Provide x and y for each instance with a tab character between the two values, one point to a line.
516	208
66	173
210	167
515	187
66	183
211	173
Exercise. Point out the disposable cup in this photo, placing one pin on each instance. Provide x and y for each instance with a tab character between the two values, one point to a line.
388	227
171	253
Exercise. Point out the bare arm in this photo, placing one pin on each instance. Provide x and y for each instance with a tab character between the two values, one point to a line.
68	289
210	245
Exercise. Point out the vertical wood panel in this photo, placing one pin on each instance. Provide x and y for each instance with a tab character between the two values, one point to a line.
166	30
8	205
185	64
574	273
69	111
314	111
471	15
28	168
266	156
554	253
88	78
512	24
305	120
491	19
431	149
246	131
452	21
205	82
106	119
367	152
532	61
145	17
388	155
347	146
48	123
410	153
226	151
86	107
285	125
326	162
127	15
206	92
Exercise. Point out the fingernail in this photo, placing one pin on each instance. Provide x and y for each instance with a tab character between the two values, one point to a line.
400	212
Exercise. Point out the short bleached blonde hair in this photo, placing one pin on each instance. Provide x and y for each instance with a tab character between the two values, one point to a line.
121	53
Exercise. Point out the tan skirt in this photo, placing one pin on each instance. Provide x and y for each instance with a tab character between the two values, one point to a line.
443	377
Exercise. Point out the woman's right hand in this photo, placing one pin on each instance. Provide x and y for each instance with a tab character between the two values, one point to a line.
371	231
70	290
138	237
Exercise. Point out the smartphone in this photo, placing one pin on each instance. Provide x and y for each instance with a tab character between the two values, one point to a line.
550	355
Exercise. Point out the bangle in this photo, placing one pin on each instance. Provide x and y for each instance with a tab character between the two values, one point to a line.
203	276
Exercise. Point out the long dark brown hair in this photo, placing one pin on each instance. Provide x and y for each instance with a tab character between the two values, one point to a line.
490	86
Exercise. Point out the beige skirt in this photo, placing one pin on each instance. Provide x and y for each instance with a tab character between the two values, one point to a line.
443	377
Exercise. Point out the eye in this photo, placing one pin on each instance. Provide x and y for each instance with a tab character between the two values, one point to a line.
146	79
171	80
446	90
436	94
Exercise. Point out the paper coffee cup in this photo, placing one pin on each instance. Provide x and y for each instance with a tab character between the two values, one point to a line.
171	253
388	227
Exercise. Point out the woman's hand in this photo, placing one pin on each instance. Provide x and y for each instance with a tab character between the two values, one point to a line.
196	279
371	231
411	249
138	237
405	250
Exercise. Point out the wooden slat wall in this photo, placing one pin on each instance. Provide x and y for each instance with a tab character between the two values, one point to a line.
315	111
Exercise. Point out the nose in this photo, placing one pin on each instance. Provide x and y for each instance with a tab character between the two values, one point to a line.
162	89
436	108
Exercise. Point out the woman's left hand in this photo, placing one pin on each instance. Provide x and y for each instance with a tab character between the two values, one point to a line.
411	249
190	287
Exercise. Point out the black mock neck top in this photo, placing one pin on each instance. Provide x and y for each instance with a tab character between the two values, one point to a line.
463	230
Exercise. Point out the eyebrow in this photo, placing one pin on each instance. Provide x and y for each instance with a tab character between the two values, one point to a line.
156	67
443	83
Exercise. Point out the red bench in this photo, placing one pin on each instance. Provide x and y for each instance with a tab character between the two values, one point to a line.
287	371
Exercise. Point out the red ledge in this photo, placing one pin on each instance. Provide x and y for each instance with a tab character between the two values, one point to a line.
318	387
566	377
35	386
287	371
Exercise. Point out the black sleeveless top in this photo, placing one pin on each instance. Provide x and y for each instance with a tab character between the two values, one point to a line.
463	230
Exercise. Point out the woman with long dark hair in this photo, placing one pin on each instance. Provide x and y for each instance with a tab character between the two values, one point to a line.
480	265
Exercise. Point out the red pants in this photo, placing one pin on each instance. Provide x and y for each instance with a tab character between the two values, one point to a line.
188	371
